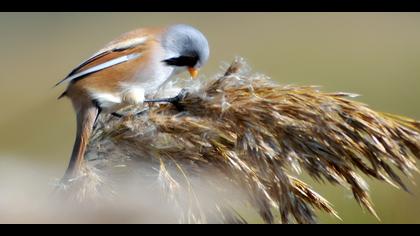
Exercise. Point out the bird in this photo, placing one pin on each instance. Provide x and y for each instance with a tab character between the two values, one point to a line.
127	70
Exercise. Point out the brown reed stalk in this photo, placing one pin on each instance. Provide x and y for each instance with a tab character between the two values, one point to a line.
254	134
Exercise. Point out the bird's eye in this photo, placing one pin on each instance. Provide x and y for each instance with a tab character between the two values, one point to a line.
189	61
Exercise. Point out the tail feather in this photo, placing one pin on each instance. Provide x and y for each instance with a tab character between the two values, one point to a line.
86	118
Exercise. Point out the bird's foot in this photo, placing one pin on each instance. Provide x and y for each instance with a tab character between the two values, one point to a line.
174	100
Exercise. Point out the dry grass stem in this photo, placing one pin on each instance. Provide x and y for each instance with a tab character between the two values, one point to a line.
247	132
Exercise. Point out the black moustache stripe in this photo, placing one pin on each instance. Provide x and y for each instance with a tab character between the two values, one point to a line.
182	61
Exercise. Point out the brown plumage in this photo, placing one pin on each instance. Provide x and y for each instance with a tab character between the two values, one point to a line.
125	71
255	135
105	81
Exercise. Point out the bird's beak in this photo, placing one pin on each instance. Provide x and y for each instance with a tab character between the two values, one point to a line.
193	72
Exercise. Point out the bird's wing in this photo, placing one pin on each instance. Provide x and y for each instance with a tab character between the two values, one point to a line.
127	47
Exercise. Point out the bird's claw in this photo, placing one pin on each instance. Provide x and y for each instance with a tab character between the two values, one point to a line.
173	100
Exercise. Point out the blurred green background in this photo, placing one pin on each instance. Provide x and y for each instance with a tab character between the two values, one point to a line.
376	55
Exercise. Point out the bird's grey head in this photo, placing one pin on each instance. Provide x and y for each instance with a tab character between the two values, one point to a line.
185	47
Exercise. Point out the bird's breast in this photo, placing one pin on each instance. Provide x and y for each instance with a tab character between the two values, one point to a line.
153	77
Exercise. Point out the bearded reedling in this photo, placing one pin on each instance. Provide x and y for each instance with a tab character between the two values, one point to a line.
127	70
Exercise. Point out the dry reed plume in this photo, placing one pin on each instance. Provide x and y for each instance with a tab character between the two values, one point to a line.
245	131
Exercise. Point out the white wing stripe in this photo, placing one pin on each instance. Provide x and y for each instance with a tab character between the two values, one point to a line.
107	64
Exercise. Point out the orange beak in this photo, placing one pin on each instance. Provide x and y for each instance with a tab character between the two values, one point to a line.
193	72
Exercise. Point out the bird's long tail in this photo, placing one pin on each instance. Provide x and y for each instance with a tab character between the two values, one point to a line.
86	118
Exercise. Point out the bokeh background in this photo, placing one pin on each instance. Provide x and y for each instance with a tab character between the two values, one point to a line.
376	55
